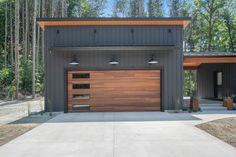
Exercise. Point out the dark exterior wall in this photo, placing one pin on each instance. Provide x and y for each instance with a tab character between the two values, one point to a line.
205	79
114	36
57	61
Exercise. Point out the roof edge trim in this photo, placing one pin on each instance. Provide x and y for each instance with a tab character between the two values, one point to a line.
172	21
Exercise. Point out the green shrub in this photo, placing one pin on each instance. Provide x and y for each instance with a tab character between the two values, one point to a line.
26	76
6	82
40	80
10	91
189	82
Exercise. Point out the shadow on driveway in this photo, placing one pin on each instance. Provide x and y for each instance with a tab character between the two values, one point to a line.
122	117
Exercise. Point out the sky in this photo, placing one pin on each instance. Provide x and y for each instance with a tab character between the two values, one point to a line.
110	4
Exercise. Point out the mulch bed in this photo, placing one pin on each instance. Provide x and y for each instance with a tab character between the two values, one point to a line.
224	129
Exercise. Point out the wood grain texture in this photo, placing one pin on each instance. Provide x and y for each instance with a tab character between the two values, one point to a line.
192	63
184	23
118	90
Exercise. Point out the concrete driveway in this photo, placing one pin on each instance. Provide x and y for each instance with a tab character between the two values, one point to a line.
130	134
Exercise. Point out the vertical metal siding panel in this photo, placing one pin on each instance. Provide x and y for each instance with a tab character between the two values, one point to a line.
153	36
146	36
50	87
162	41
178	76
143	35
163	36
176	37
105	35
74	35
205	78
156	36
171	75
166	83
56	71
55	83
115	33
169	80
181	77
166	36
179	32
174	77
179	80
234	77
45	68
169	36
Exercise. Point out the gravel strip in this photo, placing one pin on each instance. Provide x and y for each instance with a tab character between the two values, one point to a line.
11	111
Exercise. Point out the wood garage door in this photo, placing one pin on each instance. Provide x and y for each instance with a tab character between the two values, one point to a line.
116	90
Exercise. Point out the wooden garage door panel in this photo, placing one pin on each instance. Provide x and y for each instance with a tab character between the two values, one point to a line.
116	108
118	90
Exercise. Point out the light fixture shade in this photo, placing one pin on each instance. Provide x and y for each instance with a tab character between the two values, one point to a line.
74	62
153	61
113	62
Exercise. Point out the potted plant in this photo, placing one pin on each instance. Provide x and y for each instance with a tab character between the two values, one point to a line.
228	102
194	102
177	106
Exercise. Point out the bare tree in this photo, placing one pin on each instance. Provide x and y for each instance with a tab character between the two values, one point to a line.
34	47
5	46
121	8
63	8
155	8
42	42
137	8
26	29
38	37
17	46
11	36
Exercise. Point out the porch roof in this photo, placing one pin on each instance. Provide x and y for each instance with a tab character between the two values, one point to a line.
192	60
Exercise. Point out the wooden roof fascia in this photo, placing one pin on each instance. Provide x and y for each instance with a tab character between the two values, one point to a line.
183	23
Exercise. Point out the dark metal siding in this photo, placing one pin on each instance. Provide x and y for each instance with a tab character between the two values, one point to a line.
170	61
205	79
115	35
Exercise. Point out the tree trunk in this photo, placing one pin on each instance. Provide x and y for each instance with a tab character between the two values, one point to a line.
52	9
23	29
11	36
34	47
210	34
62	8
43	15
26	42
231	45
38	37
17	46
5	47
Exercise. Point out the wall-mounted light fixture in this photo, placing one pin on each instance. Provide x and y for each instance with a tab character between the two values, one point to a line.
74	61
152	60
113	62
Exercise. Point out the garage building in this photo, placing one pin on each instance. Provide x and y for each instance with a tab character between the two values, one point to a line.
113	64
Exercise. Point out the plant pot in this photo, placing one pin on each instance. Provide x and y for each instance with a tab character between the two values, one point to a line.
194	105
229	104
225	103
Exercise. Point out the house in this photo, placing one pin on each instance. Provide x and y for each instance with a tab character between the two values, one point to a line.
216	73
113	64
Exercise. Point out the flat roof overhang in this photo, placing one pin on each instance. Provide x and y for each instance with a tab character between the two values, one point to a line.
193	62
158	21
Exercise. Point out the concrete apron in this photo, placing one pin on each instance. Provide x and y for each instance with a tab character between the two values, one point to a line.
129	134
